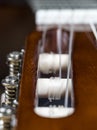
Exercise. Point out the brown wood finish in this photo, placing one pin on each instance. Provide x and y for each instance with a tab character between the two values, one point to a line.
85	88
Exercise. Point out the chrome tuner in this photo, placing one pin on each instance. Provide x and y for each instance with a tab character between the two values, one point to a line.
11	83
11	89
14	61
7	118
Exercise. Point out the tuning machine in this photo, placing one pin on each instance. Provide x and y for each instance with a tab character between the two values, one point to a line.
9	99
11	85
14	61
7	118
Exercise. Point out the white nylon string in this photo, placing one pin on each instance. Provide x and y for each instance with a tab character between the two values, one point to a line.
72	91
69	64
93	28
38	74
40	50
44	39
59	45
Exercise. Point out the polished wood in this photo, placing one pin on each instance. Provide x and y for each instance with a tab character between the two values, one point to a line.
85	88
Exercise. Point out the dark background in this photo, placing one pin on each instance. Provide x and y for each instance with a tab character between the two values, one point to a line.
16	22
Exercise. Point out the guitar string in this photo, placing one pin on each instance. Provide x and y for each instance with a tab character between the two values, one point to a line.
43	47
40	50
59	47
91	39
58	44
69	64
93	28
71	89
44	38
38	75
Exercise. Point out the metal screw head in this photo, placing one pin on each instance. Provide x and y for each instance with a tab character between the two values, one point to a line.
22	52
14	56
10	80
4	111
15	102
7	118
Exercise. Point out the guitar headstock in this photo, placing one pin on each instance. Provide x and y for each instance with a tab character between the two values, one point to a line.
47	86
39	98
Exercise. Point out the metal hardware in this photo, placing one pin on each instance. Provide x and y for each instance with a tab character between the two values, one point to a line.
14	61
7	118
11	89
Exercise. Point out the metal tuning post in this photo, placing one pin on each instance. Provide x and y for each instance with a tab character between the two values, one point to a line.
7	118
11	86
11	83
14	61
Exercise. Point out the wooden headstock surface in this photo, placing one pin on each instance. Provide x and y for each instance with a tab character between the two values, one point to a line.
85	88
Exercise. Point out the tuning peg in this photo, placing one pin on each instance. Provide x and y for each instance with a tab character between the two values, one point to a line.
11	89
14	60
7	118
22	52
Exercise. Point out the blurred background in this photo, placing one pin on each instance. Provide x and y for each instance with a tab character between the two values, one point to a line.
16	22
